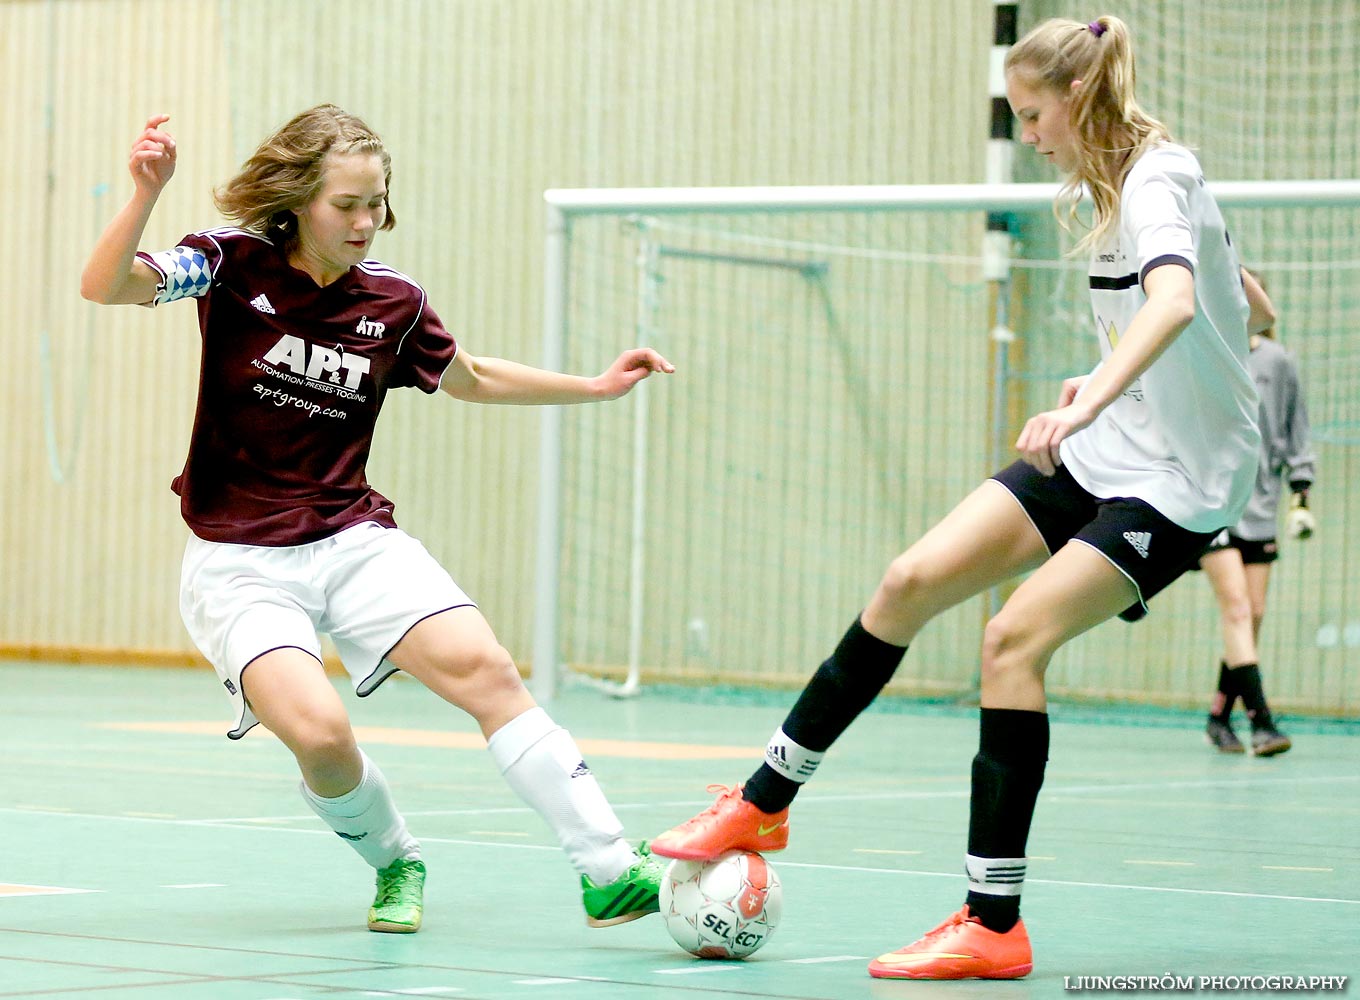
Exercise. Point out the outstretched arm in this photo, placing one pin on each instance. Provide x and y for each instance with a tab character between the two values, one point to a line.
495	380
1169	308
113	274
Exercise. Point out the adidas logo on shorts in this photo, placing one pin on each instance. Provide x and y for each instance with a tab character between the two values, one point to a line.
1139	540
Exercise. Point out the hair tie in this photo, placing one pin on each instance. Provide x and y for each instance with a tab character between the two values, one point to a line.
1097	28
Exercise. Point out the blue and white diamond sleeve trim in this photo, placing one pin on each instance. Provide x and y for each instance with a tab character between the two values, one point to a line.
185	274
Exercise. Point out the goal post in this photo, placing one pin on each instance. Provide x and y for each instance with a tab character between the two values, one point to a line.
660	267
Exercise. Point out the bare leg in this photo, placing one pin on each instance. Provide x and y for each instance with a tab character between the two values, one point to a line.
983	541
1258	583
291	696
1229	579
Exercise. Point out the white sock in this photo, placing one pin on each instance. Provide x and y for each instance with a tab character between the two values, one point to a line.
792	760
541	762
995	876
367	818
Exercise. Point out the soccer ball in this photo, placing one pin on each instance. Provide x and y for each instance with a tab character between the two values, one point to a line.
724	908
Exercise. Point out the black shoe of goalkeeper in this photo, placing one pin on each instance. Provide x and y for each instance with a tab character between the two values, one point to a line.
1221	736
1268	741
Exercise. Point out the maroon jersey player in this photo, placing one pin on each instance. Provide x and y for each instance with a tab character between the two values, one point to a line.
302	337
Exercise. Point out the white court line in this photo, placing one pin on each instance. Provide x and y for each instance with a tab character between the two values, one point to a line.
1051	789
1082	885
227	825
690	970
197	885
829	958
812	799
541	982
783	864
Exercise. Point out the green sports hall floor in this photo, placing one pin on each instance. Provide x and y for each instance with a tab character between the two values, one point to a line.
145	857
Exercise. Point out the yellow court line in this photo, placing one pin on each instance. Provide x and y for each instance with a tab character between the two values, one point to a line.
1165	864
637	749
10	889
1294	868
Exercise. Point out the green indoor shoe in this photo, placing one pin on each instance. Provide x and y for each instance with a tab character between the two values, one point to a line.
400	900
633	894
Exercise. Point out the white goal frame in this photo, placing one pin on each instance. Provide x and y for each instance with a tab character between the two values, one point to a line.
565	206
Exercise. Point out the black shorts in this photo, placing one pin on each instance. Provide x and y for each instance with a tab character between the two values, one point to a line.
1149	549
1253	553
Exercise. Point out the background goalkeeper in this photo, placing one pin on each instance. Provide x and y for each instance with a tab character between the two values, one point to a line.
1238	561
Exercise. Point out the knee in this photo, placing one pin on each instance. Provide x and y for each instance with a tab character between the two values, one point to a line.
321	740
1011	647
904	582
488	671
1238	613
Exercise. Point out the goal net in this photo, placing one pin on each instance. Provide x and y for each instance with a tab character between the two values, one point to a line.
844	377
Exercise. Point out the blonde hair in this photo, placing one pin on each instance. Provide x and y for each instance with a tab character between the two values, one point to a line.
1111	130
288	170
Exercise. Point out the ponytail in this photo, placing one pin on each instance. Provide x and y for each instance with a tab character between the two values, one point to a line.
1110	129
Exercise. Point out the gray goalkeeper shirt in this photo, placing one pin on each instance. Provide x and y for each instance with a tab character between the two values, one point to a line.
1286	453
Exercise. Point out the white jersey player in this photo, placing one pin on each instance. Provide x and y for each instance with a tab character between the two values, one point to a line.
1118	491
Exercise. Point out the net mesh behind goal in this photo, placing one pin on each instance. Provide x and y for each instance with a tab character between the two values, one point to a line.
834	397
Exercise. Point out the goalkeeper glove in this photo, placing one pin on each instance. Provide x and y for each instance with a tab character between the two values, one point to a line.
1299	522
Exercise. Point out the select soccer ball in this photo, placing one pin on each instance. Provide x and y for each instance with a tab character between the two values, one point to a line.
724	908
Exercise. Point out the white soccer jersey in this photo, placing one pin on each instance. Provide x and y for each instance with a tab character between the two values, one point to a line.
1183	437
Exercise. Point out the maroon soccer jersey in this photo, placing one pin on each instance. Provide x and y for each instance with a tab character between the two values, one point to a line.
293	377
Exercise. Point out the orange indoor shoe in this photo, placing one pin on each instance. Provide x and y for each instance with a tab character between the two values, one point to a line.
729	824
960	948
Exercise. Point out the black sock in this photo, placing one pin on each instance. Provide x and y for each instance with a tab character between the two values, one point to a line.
1247	679
1226	696
1008	772
841	688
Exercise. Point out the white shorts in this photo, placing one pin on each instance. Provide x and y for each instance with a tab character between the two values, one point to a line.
365	586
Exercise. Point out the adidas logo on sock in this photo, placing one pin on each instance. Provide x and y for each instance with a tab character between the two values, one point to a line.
1139	540
261	303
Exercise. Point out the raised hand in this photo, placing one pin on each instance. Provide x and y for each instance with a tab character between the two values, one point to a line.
630	368
152	162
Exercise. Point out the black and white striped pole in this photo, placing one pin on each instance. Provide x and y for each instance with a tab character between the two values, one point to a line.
996	242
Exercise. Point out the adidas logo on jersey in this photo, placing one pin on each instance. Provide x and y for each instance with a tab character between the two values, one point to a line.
261	303
1139	540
